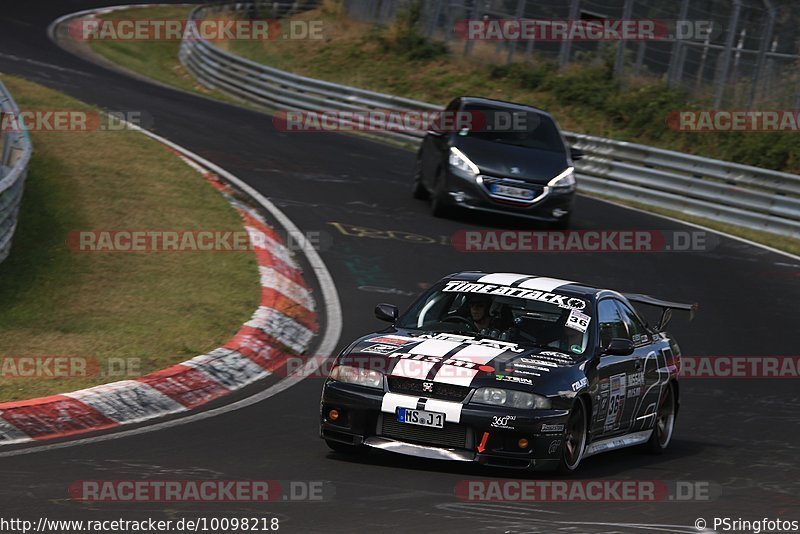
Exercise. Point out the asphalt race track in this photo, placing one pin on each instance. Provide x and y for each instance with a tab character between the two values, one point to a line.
739	435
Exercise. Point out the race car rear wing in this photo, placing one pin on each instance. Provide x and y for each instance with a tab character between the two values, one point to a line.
665	305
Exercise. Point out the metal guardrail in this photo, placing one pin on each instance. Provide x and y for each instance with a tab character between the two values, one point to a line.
15	153
740	195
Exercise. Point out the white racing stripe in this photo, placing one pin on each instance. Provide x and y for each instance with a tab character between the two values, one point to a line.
544	284
413	369
502	279
460	376
393	401
434	347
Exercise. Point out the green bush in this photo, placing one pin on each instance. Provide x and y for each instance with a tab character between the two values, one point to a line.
642	111
403	38
525	75
583	84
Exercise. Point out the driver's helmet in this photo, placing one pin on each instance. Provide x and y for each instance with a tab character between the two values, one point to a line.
479	298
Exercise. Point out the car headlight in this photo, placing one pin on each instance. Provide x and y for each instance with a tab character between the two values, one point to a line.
510	398
461	164
564	181
357	375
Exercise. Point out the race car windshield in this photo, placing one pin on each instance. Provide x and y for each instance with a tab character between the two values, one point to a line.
517	315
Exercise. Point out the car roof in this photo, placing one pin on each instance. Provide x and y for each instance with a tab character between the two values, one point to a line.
490	102
530	281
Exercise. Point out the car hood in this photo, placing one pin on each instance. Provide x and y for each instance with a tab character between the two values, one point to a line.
502	160
467	361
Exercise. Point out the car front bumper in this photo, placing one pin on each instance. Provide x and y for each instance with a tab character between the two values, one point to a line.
363	420
553	206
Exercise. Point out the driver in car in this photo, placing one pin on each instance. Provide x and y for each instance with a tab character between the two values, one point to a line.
480	307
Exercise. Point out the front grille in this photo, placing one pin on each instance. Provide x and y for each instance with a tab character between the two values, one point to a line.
453	435
411	386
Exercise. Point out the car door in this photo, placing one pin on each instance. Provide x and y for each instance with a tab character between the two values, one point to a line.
643	384
614	412
655	355
435	146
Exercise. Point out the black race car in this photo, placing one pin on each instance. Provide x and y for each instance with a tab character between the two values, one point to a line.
497	157
507	370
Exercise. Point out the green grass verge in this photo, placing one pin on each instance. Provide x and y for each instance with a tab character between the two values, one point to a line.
154	308
394	60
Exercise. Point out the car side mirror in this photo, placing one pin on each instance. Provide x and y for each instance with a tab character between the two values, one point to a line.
387	312
576	153
619	346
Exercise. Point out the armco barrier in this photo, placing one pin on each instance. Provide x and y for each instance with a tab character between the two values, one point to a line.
741	195
15	154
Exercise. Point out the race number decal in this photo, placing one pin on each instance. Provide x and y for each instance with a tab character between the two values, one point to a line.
578	320
616	402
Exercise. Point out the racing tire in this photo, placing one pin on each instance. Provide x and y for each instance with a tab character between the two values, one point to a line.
665	422
418	190
438	207
344	448
575	435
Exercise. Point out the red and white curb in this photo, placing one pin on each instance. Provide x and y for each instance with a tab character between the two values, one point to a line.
282	326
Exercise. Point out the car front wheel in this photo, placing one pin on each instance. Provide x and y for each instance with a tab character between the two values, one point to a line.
418	189
439	208
574	439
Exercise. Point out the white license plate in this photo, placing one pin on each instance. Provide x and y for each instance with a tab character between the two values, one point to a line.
420	417
512	192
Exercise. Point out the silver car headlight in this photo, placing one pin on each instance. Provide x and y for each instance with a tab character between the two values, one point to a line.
564	181
510	398
357	375
461	164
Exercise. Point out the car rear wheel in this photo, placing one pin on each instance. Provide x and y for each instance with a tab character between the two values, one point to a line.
418	190
574	439
665	422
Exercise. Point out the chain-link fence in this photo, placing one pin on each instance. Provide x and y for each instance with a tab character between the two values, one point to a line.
747	57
